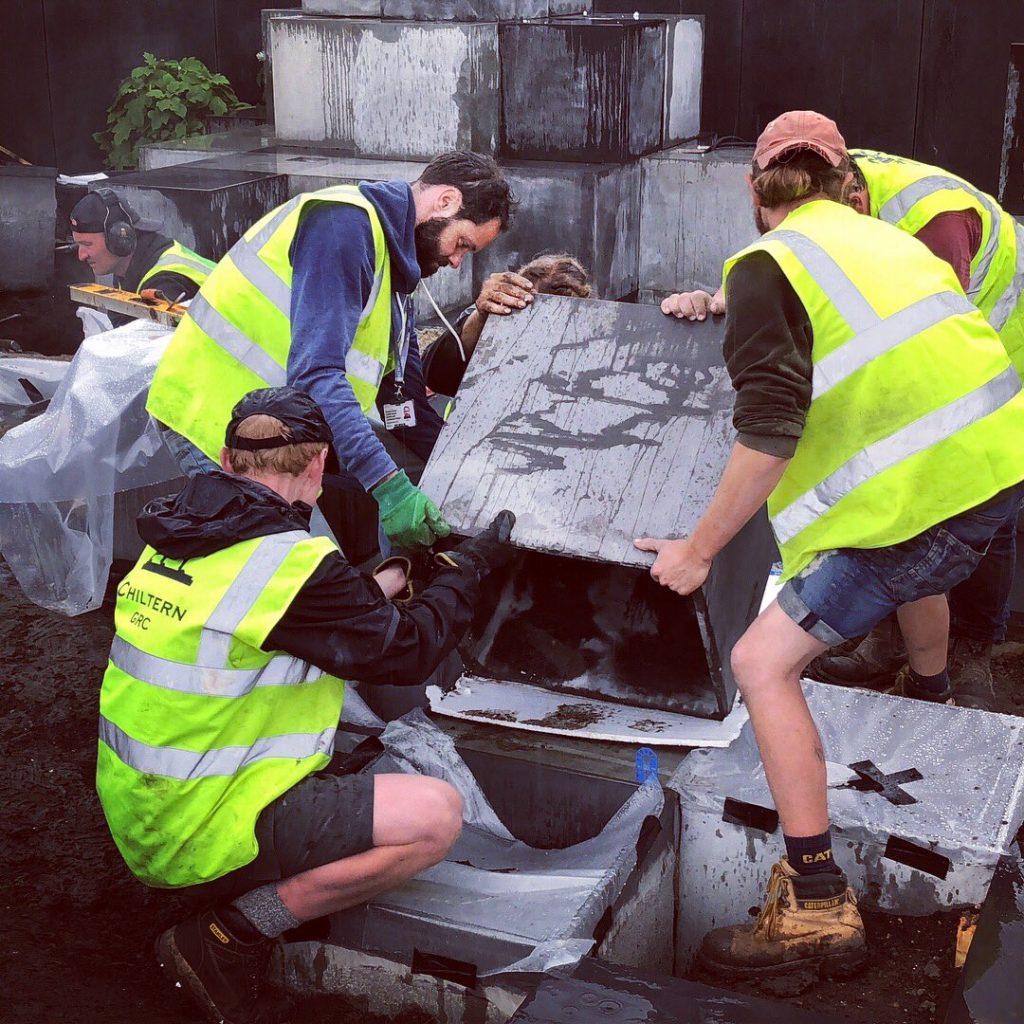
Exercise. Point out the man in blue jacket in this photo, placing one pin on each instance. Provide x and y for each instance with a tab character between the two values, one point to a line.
343	262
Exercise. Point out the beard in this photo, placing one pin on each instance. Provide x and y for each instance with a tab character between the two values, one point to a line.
762	225
428	246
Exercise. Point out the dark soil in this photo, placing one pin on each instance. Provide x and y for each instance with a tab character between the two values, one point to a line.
78	929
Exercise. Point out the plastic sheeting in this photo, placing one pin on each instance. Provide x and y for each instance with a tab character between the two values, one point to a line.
506	906
59	472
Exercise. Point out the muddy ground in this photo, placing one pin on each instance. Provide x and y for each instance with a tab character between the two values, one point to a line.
77	929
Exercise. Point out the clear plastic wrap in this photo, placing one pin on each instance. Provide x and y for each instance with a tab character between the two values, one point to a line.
60	472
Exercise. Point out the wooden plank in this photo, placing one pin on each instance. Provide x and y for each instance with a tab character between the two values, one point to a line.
113	300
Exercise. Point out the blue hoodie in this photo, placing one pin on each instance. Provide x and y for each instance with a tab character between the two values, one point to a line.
332	259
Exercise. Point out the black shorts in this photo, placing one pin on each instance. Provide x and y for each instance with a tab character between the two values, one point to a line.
323	818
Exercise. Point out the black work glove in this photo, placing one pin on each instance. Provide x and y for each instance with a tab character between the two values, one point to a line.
487	551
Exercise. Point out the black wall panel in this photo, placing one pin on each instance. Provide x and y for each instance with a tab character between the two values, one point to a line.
25	123
965	57
857	62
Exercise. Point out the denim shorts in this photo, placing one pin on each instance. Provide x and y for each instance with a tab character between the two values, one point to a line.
845	593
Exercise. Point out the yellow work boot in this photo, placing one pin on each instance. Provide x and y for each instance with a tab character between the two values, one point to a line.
809	922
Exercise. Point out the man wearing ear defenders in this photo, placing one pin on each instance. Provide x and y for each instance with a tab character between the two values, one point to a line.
113	239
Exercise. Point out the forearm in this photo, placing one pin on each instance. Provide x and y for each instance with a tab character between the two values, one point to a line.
471	330
749	477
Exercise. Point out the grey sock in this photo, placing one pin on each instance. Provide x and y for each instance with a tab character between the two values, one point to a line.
263	908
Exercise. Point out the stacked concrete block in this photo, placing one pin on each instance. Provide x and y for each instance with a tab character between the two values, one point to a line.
207	209
447	10
394	90
694	213
170	152
591	210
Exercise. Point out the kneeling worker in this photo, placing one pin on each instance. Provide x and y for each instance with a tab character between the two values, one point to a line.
880	415
220	702
113	239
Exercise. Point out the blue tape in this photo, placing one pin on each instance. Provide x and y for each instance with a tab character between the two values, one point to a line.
646	766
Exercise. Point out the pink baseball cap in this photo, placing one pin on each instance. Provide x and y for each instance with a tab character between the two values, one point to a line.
800	129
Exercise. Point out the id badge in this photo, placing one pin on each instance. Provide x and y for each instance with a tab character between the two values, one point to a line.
401	415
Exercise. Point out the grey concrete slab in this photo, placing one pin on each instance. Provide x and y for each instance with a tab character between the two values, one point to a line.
346	8
198	147
694	213
579	89
208	209
28	222
590	210
268	65
395	90
466	10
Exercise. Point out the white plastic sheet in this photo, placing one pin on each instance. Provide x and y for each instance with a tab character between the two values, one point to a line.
59	473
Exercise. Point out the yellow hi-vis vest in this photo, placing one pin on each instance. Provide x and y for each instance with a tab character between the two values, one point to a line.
200	729
916	411
910	194
236	335
179	259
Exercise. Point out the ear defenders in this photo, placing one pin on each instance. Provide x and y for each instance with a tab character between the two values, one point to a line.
119	233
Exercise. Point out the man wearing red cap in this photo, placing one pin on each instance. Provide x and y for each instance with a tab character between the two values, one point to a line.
985	247
867	383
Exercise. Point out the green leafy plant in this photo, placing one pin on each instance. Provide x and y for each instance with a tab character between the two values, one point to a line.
162	99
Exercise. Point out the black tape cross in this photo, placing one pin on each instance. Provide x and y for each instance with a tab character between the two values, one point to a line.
873	780
736	812
445	968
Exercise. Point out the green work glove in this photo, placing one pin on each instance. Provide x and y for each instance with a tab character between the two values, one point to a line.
408	516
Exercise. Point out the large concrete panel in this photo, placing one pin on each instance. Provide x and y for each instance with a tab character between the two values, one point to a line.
467	10
694	213
396	90
345	8
28	219
198	147
268	65
581	89
206	209
589	210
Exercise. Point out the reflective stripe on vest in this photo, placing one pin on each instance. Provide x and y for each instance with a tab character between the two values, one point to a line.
238	332
896	343
190	765
178	259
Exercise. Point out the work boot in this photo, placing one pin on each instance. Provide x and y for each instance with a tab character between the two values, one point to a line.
970	672
809	923
907	687
223	974
873	663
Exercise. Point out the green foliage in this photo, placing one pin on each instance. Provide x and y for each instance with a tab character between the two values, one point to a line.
162	99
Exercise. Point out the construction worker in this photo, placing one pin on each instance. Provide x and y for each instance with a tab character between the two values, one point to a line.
218	710
318	294
444	364
113	239
985	247
879	414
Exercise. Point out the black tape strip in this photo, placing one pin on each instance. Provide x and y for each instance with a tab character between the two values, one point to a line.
649	832
460	972
736	812
903	851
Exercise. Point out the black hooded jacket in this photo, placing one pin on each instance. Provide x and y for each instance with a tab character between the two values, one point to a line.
149	247
339	621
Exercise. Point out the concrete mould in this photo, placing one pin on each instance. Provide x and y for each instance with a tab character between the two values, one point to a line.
400	90
208	209
615	995
446	10
924	799
694	213
28	222
598	422
528	887
590	210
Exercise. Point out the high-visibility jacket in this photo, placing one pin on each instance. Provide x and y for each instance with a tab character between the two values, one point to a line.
916	411
179	259
236	334
200	729
910	194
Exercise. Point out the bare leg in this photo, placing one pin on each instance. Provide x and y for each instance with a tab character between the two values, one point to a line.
925	627
768	660
416	821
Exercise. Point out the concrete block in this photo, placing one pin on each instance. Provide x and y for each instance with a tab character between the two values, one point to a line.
396	90
345	8
580	89
268	64
694	213
918	829
28	222
466	10
590	210
207	209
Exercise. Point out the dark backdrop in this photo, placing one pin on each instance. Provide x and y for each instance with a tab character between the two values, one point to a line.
61	62
924	78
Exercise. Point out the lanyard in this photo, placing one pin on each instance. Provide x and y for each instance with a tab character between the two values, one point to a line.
400	346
